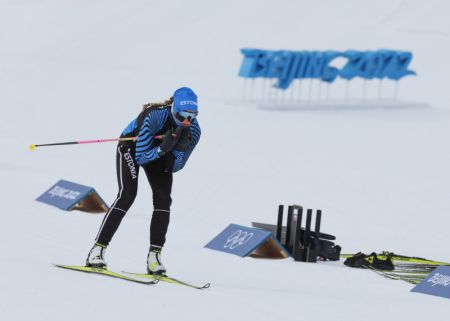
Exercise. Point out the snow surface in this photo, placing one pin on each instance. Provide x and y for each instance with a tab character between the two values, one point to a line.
81	70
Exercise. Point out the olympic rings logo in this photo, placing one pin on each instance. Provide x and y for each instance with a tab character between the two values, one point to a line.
238	238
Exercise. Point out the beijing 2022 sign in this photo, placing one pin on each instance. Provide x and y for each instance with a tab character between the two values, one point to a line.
285	66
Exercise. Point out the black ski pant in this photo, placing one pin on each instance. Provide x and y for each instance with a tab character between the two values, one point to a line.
160	179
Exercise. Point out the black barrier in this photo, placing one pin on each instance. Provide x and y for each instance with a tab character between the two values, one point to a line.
307	245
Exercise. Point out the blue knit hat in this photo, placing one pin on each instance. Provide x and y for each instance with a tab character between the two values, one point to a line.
184	98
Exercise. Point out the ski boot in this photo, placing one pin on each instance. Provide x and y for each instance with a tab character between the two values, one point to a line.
154	264
96	257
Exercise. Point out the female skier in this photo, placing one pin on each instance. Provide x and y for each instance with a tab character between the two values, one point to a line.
176	120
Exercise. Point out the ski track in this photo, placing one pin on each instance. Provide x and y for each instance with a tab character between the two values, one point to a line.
82	70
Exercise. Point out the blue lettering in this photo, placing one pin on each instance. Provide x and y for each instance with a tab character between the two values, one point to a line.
285	66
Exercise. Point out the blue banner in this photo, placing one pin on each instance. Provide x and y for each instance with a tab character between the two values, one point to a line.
240	240
66	195
437	283
285	66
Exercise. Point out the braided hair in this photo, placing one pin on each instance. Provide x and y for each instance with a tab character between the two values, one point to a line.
166	102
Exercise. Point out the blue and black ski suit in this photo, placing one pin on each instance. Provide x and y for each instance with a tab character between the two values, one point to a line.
131	155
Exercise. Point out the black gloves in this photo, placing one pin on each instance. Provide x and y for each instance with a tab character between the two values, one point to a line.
185	138
170	139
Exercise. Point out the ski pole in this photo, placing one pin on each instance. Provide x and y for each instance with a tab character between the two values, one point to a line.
33	146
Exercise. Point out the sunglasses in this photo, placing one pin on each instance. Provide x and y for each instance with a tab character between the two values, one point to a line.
183	116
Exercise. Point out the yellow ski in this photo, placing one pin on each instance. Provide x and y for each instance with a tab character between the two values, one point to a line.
105	272
167	279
